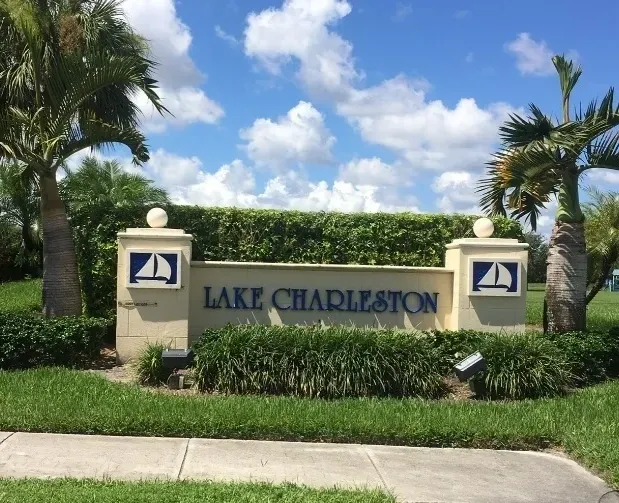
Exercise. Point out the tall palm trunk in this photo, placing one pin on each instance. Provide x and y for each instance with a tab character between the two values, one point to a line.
605	268
566	284
61	286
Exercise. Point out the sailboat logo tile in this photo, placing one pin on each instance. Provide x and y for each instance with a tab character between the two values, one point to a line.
153	269
496	278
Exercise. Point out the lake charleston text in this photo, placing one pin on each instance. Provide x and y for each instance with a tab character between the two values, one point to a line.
303	299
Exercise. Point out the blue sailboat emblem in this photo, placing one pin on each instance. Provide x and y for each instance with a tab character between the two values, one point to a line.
499	277
153	269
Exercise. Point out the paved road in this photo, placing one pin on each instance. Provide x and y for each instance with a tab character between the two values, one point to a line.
411	474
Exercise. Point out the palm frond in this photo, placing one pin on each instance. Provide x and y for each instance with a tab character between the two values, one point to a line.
519	132
520	183
75	85
602	223
568	78
107	182
95	134
604	152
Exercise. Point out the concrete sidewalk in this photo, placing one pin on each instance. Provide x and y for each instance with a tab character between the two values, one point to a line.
411	474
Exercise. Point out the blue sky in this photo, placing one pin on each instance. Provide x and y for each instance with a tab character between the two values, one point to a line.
354	105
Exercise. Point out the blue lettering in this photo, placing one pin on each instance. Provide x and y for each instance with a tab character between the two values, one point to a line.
332	306
365	295
256	293
207	301
239	301
298	295
274	298
432	302
316	298
224	295
350	305
393	296
380	305
405	304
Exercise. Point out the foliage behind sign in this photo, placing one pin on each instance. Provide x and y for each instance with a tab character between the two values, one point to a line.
233	234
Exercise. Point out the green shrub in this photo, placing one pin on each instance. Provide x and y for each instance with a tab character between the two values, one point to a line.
317	362
521	366
149	369
593	356
454	345
33	341
272	236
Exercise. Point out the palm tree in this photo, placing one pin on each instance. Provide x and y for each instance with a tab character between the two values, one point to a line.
602	234
20	207
542	158
106	183
68	72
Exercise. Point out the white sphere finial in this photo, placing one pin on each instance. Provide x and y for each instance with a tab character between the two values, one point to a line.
157	218
483	228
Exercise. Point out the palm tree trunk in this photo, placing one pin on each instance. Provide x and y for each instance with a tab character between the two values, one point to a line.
61	286
600	281
566	284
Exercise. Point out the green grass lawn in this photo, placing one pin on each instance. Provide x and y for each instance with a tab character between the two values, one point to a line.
19	296
76	491
63	401
602	312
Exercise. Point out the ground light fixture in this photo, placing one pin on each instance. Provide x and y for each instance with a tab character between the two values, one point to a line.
471	365
176	359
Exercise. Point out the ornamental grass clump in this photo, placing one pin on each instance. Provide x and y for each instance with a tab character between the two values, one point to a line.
522	366
149	369
315	361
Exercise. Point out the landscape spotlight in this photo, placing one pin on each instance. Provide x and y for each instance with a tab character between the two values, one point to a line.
470	366
177	358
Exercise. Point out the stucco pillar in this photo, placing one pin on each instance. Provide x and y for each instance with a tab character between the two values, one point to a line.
490	284
152	290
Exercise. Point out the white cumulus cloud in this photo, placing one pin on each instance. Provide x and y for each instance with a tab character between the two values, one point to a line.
178	75
457	192
300	30
428	134
371	171
298	137
532	57
187	104
396	113
234	184
292	191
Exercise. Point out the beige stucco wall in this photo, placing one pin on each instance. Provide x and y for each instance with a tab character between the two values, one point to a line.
176	316
270	277
490	314
164	313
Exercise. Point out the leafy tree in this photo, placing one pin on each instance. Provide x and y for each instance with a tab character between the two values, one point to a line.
10	248
602	234
19	207
538	253
106	183
68	72
542	158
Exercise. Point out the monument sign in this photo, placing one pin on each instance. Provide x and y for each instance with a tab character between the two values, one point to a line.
164	296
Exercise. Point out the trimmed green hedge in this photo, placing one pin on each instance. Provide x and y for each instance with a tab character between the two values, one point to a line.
593	356
235	234
320	362
28	341
341	361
